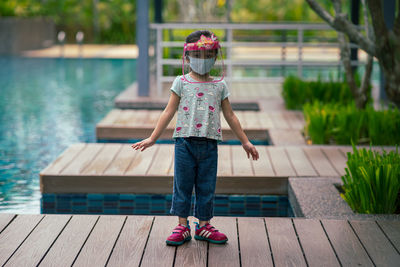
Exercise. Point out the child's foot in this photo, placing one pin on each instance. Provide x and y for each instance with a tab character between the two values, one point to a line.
179	235
210	234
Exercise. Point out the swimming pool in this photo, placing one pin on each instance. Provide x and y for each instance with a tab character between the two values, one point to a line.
45	106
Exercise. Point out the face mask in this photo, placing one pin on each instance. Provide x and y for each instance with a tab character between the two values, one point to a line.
201	65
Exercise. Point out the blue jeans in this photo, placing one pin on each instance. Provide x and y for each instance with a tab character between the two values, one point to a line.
196	160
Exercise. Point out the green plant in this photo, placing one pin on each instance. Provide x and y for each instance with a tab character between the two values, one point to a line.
341	124
372	181
297	92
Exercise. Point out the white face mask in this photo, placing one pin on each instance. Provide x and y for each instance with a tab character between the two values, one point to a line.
201	65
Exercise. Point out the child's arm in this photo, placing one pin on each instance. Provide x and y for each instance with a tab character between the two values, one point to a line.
234	123
162	123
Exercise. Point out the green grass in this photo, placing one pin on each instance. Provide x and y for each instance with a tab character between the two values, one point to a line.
297	92
334	123
372	181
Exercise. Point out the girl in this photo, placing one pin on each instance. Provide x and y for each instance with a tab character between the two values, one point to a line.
199	99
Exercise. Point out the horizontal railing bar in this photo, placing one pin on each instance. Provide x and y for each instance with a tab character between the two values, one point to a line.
263	44
178	62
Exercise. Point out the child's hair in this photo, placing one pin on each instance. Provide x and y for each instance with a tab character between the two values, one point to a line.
195	36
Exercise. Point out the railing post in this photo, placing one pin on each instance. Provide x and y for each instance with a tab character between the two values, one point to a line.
300	52
159	57
142	40
229	40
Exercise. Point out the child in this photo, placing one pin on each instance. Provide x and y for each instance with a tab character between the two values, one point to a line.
199	98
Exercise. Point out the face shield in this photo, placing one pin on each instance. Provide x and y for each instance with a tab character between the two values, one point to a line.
203	61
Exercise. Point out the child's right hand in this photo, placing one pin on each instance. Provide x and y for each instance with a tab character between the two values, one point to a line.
142	145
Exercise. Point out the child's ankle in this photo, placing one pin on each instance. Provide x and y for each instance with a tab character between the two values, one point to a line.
202	223
183	221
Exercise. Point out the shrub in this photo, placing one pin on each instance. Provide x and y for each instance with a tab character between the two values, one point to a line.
296	92
372	181
341	124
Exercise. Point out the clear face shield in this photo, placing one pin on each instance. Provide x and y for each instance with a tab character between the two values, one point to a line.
203	61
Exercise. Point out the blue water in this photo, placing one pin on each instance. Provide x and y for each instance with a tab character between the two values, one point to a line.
45	106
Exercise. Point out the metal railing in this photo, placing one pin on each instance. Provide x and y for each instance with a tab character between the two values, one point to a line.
231	42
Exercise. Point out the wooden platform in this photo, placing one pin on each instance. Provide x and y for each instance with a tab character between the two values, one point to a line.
91	240
117	168
126	124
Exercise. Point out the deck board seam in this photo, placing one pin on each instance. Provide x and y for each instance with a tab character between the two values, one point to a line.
238	240
309	160
5	227
330	242
151	162
298	240
81	171
359	240
331	163
86	239
147	240
54	241
116	240
290	161
130	163
269	243
387	237
270	160
113	159
77	154
26	237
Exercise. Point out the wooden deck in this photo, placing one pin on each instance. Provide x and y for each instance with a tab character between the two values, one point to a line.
92	240
117	168
125	124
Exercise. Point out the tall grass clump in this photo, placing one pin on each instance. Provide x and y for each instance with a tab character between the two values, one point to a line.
372	181
334	123
297	92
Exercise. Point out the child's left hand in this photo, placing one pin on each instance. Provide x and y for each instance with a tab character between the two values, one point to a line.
250	149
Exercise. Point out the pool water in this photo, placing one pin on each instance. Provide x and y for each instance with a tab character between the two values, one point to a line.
45	106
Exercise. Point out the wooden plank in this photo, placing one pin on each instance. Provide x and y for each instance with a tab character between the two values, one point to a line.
83	159
300	162
293	120
157	253
38	242
262	166
192	253
5	219
281	137
138	118
142	161
337	159
224	161
280	161
252	120
226	254
265	121
392	231
254	247
15	234
240	163
320	162
284	244
64	159
103	159
317	249
346	244
279	120
98	246
64	251
122	161
162	161
123	118
375	242
110	118
153	118
130	245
